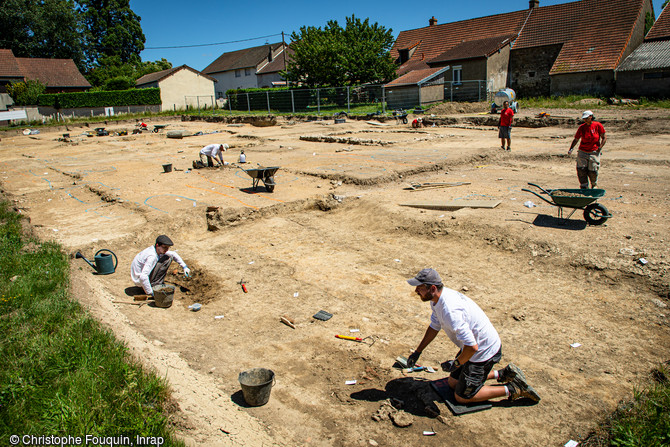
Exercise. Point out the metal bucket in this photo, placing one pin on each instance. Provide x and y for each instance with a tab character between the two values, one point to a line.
256	385
167	167
163	295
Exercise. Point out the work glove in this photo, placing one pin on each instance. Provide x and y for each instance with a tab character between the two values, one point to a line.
187	272
450	365
412	359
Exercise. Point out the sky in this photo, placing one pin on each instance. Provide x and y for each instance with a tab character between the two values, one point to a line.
234	25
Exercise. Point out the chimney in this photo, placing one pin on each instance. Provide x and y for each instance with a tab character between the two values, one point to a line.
432	21
533	4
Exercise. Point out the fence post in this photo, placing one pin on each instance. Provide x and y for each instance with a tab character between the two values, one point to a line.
383	99
197	101
318	101
479	90
419	86
267	96
348	108
292	102
230	107
248	103
212	98
451	92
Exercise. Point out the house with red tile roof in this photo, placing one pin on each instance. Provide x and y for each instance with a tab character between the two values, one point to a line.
544	50
181	88
270	74
239	69
646	72
59	75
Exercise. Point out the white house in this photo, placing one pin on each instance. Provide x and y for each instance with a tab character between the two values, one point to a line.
240	69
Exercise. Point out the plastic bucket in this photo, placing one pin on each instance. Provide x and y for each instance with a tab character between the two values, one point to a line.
256	385
163	295
167	167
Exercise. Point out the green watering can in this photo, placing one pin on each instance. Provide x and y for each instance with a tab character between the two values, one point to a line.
104	264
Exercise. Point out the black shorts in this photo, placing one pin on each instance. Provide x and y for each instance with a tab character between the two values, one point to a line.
472	375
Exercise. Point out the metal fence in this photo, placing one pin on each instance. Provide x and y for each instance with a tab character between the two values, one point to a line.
377	98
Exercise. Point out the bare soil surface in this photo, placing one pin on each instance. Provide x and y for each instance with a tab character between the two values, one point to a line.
333	236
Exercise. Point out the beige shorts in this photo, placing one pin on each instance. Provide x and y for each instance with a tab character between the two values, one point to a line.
588	160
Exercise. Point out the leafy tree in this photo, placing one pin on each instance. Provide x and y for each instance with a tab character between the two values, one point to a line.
25	93
664	4
42	28
111	30
335	56
648	22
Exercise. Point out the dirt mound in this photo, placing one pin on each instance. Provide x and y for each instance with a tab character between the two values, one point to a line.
451	108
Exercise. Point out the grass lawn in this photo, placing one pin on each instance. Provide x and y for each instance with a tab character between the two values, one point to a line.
63	373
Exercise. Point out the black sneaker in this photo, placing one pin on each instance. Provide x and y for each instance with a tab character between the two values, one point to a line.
509	372
519	389
509	149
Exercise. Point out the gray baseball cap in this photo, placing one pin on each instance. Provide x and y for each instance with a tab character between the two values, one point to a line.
425	276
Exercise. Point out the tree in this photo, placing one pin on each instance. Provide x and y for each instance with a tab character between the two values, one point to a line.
333	56
111	30
25	93
42	28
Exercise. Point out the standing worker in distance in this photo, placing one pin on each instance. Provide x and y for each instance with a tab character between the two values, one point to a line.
213	152
593	138
151	265
505	126
466	324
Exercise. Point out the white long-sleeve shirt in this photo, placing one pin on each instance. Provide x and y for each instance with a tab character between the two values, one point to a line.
465	323
213	150
144	263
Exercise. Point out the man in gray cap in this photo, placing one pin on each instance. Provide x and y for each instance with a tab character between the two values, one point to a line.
151	265
468	327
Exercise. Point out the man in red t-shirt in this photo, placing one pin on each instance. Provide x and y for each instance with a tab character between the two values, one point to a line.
505	126
593	137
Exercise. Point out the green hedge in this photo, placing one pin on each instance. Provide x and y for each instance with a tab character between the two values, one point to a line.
280	99
132	97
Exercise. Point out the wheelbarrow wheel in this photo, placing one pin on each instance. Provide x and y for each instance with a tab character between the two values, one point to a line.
596	214
269	184
404	120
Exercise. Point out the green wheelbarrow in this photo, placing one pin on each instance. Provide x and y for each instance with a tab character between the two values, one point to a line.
575	199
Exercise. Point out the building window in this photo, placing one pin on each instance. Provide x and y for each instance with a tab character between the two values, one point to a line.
656	75
457	74
238	73
219	94
403	55
247	72
531	74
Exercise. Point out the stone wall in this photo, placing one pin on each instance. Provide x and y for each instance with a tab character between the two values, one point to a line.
599	83
632	84
529	70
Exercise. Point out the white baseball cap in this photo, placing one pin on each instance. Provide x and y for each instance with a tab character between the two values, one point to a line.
586	114
225	146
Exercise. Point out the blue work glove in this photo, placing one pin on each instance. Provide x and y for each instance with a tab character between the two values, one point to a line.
450	365
413	358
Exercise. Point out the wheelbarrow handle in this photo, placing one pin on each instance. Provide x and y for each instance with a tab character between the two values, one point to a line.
539	187
533	192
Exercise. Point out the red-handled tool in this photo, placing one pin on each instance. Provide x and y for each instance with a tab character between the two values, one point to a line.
368	340
244	287
347	337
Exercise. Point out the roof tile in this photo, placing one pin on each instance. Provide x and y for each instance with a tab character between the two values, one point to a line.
8	66
661	28
437	39
245	58
414	77
160	75
53	73
474	48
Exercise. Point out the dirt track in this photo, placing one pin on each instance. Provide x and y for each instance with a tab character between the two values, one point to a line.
332	236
